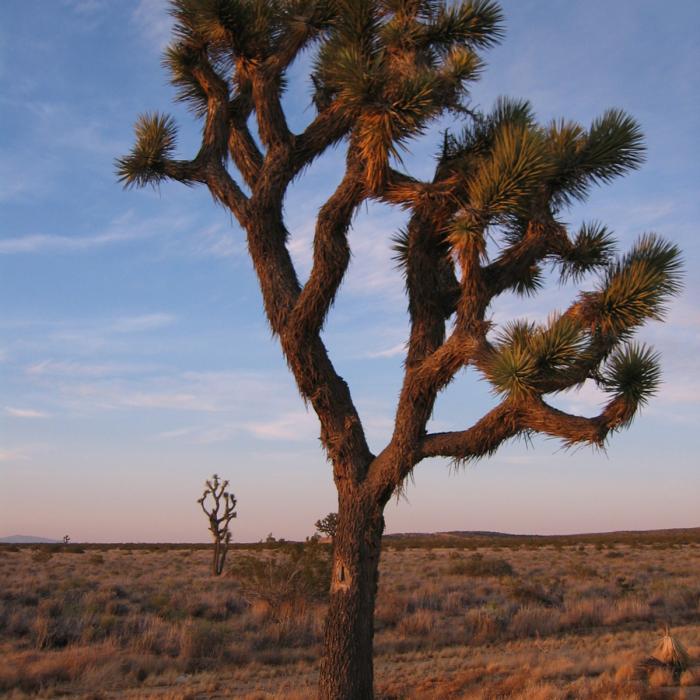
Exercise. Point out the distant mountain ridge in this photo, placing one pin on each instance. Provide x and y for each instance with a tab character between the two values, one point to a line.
474	535
26	539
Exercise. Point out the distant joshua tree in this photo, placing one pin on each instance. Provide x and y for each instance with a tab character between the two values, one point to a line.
489	221
222	512
66	539
328	525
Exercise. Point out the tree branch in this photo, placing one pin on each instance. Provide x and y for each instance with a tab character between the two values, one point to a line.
331	255
328	127
272	123
482	439
241	145
516	261
511	418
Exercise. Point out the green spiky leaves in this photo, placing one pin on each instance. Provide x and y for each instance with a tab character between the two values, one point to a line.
155	143
638	287
396	66
512	371
527	357
509	176
593	248
633	375
181	60
612	146
477	23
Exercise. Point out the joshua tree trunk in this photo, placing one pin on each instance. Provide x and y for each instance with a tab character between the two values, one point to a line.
346	667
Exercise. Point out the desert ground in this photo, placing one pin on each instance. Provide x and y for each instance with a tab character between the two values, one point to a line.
457	617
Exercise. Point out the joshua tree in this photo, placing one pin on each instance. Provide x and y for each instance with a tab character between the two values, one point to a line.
488	222
328	525
66	539
218	520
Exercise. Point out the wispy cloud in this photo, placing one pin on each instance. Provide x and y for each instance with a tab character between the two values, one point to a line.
393	351
296	426
24	412
48	243
153	21
73	368
144	322
123	229
218	243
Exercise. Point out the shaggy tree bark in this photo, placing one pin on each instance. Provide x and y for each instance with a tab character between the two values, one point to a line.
383	71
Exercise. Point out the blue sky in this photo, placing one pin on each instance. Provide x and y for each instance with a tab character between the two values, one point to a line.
134	357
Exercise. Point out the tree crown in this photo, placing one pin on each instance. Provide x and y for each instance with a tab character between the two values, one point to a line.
383	71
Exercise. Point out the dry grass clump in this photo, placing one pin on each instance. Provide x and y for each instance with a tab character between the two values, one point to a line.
534	620
671	652
495	623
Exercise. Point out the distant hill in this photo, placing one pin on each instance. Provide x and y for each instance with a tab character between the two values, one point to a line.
475	538
26	539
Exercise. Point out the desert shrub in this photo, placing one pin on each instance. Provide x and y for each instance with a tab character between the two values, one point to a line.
584	613
479	565
581	570
417	624
291	575
482	625
389	610
628	610
41	555
73	549
155	636
202	643
531	620
423	599
117	608
534	592
682	599
96	559
456	601
57	624
118	592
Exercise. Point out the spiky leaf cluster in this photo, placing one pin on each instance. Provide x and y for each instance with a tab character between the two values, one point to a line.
155	143
592	248
638	286
514	170
397	65
526	357
612	146
632	374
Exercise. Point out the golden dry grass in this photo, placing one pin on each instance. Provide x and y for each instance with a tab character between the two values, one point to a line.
534	623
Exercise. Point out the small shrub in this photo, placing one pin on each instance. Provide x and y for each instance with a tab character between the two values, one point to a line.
527	592
41	556
628	610
96	559
583	613
418	624
202	643
73	549
482	626
293	574
532	620
479	566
